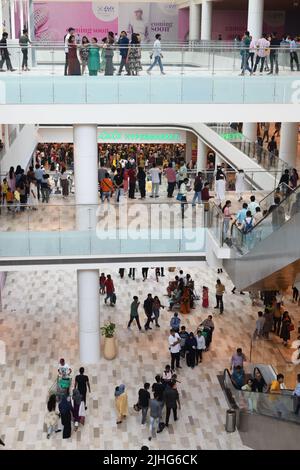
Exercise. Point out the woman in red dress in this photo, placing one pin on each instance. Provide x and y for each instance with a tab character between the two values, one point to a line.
205	297
73	62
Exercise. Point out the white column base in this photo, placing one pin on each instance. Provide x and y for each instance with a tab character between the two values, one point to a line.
89	315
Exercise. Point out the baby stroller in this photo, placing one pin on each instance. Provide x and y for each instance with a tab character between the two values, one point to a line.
61	387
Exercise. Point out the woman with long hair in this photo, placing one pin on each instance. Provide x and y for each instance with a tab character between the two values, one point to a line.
84	53
109	54
134	55
73	62
11	179
286	323
51	419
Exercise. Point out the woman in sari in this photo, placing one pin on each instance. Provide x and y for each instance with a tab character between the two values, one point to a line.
73	62
121	403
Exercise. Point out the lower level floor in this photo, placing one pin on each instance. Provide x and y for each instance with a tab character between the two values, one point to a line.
39	325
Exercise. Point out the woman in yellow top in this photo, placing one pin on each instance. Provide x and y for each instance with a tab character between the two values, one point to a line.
121	403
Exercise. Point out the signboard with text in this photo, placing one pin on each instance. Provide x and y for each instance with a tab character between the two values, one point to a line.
96	18
141	136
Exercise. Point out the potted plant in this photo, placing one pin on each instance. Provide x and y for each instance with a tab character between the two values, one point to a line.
108	331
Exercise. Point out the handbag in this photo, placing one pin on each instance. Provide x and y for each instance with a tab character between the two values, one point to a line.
179	197
291	327
136	407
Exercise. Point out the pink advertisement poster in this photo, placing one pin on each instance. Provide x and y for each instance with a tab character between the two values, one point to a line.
95	18
234	23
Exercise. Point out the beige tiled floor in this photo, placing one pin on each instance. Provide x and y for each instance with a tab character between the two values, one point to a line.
39	325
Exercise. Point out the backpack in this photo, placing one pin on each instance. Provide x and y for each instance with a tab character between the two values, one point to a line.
248	226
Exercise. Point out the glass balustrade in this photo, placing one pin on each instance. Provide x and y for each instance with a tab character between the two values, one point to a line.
267	160
276	405
127	228
272	221
194	74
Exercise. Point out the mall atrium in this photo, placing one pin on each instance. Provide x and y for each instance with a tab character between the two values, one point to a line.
149	225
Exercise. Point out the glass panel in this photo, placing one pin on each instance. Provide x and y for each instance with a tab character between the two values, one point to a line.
271	222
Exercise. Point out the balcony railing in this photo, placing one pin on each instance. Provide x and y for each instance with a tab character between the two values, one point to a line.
194	74
137	227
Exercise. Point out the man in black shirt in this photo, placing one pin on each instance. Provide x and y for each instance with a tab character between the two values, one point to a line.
118	183
148	307
158	389
171	398
82	382
274	51
144	397
4	54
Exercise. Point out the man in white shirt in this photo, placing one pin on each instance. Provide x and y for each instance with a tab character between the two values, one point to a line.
66	41
64	369
154	173
157	55
252	206
263	49
174	347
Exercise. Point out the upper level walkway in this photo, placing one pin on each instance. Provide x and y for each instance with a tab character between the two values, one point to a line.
194	75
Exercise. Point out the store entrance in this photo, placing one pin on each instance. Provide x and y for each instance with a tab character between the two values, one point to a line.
55	156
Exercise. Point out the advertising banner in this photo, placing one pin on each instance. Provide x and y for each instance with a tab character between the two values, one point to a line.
141	136
52	19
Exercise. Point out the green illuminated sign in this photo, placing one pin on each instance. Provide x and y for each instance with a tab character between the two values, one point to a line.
232	136
137	137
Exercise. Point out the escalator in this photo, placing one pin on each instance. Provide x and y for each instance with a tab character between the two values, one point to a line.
268	257
259	413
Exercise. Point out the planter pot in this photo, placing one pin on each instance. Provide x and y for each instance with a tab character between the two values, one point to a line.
110	349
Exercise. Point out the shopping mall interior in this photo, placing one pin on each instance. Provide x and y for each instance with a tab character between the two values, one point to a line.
149	221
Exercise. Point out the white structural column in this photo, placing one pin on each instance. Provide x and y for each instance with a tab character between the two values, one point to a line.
289	142
194	34
21	12
250	130
89	316
201	155
255	18
206	20
86	174
1	18
86	195
12	19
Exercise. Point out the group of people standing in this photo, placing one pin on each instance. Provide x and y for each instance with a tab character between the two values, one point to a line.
98	57
265	52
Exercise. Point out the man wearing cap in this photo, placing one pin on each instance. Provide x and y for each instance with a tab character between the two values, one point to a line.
139	26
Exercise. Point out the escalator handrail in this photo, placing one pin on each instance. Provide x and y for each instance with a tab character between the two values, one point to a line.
226	371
